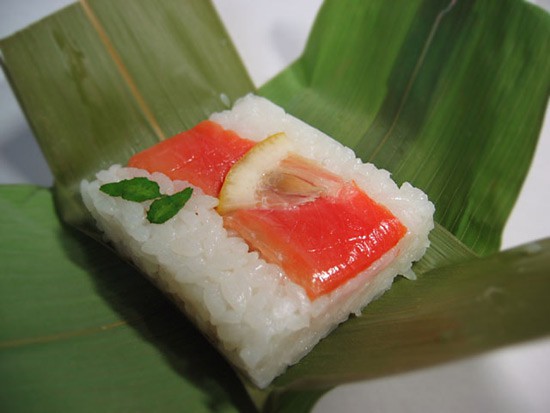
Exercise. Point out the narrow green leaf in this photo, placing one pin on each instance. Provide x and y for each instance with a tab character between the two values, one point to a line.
301	401
97	327
412	88
83	331
162	209
448	95
444	250
136	189
103	79
448	313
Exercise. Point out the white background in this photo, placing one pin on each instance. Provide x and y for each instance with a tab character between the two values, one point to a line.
269	35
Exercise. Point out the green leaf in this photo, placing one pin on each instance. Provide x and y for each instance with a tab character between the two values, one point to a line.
84	331
448	313
142	189
78	323
161	210
446	94
136	189
102	80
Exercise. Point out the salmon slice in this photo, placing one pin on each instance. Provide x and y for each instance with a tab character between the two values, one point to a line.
323	243
202	156
321	230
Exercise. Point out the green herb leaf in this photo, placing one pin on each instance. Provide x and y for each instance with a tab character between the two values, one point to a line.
142	189
135	189
164	208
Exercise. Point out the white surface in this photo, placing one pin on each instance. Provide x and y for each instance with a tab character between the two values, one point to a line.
269	35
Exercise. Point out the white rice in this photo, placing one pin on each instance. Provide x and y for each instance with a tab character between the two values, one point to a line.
259	319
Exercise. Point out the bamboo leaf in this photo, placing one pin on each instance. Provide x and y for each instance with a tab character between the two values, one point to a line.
448	313
449	95
101	80
83	331
96	324
413	89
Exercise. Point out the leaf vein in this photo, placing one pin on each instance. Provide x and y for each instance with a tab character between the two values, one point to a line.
121	67
414	75
21	342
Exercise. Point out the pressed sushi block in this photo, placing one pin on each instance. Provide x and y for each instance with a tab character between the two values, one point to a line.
286	233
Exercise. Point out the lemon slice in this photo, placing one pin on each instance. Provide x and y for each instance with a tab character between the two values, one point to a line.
272	176
240	188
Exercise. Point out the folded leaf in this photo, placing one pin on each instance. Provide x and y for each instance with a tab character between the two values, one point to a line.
448	95
102	79
448	313
84	331
78	323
